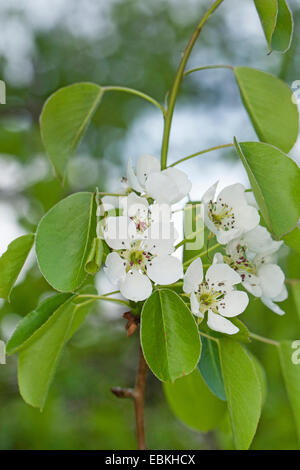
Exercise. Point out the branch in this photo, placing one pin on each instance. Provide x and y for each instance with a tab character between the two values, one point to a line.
137	394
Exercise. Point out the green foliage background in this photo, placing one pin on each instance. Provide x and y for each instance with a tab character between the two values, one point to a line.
141	51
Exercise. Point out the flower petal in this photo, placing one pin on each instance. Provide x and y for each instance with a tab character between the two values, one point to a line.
233	303
247	217
271	280
259	240
181	180
209	195
165	270
161	188
136	286
135	206
132	180
272	306
193	276
195	306
219	323
119	231
222	277
146	164
115	269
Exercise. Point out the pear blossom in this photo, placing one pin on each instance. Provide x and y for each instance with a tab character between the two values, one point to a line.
229	215
141	254
253	257
215	295
167	186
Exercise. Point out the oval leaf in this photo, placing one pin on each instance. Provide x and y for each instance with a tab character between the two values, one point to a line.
275	180
169	336
193	403
12	261
40	353
283	33
243	391
210	367
277	23
289	353
268	102
63	241
64	119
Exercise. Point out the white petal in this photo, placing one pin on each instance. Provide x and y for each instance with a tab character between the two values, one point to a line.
136	286
119	231
193	276
111	203
250	198
259	240
218	258
195	306
165	270
160	238
233	195
219	323
272	306
282	296
146	164
115	269
209	195
222	276
132	178
252	284
161	188
134	205
271	280
181	180
247	217
225	236
233	303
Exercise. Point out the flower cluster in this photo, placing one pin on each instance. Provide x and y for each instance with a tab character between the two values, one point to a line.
141	237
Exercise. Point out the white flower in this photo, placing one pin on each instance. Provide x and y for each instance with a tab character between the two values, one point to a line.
215	295
140	256
229	215
252	256
168	186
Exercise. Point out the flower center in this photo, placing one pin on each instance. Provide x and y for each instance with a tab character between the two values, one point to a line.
221	215
208	298
136	257
239	262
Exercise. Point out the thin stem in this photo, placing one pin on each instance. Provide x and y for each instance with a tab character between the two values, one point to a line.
188	238
292	281
262	339
203	253
137	93
177	83
137	394
208	336
104	297
207	67
110	194
211	149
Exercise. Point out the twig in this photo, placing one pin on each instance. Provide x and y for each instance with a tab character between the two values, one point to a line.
137	394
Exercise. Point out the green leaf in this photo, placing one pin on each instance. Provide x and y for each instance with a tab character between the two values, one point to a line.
275	180
63	241
40	353
169	336
261	374
289	353
267	11
64	120
95	257
282	36
210	367
243	391
193	403
12	261
33	321
292	239
277	22
268	102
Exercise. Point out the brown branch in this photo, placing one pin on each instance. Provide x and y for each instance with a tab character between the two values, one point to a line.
138	396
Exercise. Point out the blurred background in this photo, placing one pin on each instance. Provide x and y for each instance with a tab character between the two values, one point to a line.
134	43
